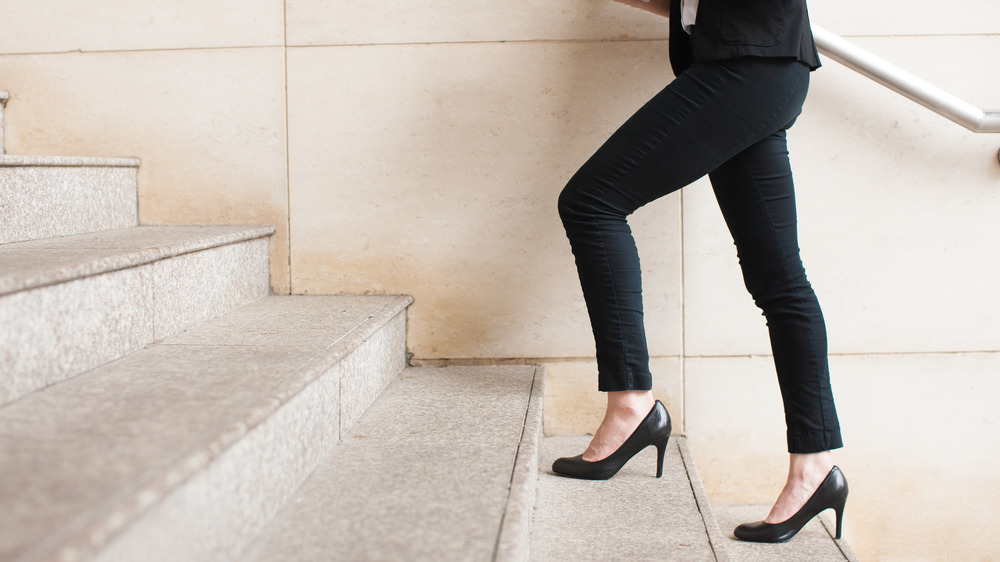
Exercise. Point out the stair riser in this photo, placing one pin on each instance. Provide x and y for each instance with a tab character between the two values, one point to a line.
235	490
369	369
46	201
56	332
196	287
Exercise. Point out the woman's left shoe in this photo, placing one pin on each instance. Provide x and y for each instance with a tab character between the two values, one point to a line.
653	430
831	494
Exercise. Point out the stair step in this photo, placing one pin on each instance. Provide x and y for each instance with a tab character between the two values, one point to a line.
633	516
813	543
183	450
46	196
441	467
72	303
654	519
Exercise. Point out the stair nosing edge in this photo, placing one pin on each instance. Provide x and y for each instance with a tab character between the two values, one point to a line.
25	161
715	538
127	259
367	327
841	544
513	537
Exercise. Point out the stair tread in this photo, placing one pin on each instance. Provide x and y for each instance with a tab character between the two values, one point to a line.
813	543
654	519
37	263
424	475
83	457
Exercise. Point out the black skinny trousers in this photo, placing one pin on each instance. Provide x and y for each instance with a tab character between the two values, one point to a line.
726	119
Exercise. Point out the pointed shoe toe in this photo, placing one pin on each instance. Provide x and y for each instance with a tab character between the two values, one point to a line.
576	467
653	430
765	532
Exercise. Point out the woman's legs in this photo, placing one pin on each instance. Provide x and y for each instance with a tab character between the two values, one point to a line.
709	114
705	117
757	198
719	118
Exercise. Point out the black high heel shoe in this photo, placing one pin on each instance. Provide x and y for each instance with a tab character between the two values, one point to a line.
831	494
653	430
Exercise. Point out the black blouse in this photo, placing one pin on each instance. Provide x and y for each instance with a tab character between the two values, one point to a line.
727	29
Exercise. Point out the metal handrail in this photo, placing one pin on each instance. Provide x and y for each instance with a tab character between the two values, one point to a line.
905	83
4	96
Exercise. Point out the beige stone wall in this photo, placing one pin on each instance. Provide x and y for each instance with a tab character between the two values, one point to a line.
418	148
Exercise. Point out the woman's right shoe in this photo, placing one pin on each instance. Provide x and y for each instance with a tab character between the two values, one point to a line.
831	494
653	430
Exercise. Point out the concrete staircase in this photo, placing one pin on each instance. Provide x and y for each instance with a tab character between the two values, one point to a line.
157	403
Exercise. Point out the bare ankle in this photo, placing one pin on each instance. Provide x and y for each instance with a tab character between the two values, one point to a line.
630	402
626	410
809	468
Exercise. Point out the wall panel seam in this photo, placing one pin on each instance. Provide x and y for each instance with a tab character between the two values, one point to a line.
157	50
483	42
288	152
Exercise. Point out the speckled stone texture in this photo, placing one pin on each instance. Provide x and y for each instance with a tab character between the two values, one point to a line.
515	532
424	475
184	450
36	263
367	359
814	543
42	197
199	286
633	516
72	303
48	335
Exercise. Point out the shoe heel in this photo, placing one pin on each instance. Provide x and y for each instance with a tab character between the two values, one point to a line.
839	509
661	450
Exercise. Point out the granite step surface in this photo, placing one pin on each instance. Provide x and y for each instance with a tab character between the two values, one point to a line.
47	196
185	449
72	303
441	467
633	516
